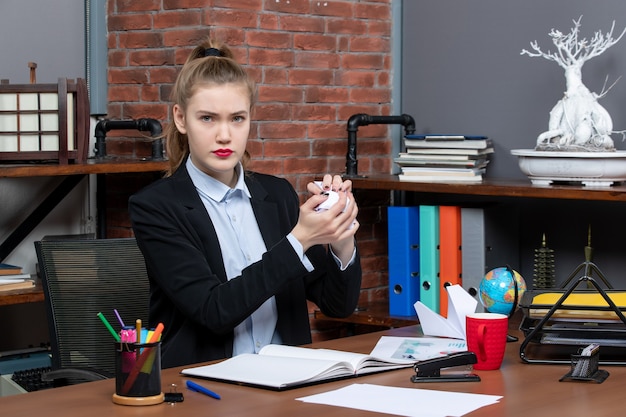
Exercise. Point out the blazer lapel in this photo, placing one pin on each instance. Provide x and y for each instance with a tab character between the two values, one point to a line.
199	220
265	211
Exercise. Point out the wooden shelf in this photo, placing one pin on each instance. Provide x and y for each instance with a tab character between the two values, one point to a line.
30	295
495	188
92	166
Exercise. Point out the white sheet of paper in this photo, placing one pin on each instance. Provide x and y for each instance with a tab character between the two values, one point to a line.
460	304
403	401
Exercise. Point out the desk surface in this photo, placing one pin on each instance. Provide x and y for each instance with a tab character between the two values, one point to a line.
528	390
374	314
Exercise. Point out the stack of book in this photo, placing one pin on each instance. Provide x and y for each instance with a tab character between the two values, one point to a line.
13	278
445	158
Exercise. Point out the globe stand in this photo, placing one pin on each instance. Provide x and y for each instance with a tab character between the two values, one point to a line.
509	337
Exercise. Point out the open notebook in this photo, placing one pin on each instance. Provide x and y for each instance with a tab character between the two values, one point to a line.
280	367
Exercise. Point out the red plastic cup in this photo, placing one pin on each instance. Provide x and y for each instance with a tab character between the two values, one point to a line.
486	337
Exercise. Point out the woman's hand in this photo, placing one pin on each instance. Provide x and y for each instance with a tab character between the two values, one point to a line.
330	183
335	226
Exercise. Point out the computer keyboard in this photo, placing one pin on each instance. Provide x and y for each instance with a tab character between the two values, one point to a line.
30	379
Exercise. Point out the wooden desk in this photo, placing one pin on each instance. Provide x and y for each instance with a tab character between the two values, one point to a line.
374	314
528	390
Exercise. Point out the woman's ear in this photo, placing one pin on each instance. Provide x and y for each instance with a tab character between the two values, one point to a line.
179	119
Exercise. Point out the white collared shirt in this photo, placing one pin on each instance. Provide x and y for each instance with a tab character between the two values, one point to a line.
242	244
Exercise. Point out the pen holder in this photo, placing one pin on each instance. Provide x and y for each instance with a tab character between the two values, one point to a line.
138	374
585	368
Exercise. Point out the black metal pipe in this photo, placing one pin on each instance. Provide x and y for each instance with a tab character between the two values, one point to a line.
144	125
362	119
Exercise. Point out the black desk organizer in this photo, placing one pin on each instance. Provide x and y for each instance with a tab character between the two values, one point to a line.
585	368
557	340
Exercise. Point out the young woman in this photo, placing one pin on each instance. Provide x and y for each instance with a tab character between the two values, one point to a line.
232	256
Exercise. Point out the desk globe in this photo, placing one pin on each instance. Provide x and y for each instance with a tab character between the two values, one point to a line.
497	290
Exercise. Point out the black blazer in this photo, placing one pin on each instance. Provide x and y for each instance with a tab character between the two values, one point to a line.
189	291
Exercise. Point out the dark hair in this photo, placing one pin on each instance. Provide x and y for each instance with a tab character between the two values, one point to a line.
209	63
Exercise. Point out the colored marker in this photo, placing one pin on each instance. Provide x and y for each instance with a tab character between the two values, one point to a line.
153	337
199	388
119	318
156	335
108	326
138	330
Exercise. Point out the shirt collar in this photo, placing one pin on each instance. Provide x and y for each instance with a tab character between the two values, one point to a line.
213	188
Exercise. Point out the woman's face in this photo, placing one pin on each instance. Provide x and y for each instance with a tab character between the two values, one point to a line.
217	125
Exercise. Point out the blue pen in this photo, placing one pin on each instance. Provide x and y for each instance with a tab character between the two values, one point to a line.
199	388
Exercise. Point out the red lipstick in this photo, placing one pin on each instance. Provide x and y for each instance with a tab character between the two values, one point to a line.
223	153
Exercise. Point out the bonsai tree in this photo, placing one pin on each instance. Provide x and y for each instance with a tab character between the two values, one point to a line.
577	122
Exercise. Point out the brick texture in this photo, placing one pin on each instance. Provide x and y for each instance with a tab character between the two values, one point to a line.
315	63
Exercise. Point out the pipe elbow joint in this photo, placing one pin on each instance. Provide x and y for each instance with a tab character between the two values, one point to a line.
356	120
150	125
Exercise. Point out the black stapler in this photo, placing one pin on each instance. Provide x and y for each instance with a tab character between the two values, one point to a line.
430	370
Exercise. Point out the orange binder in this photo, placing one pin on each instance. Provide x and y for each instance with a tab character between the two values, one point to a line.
450	262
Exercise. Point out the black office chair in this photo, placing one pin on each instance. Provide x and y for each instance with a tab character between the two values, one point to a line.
80	279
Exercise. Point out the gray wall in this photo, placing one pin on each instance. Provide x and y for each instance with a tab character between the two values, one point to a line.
462	71
50	33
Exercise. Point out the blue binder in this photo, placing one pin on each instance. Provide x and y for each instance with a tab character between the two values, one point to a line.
429	256
403	234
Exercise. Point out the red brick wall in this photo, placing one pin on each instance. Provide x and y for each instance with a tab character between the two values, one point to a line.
316	63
